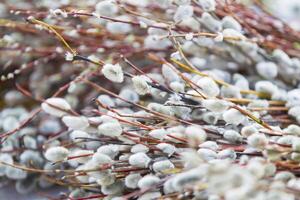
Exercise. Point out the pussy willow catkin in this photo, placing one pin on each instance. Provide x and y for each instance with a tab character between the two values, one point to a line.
150	99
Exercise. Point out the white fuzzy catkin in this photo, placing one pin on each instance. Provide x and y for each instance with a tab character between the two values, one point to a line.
81	152
115	188
182	2
169	74
187	179
231	92
150	195
129	95
158	133
233	116
177	86
248	130
7	158
140	84
163	165
139	148
207	5
294	111
106	8
30	142
295	156
266	87
55	154
15	173
211	23
167	110
258	104
207	154
106	179
268	70
257	140
10	123
148	181
215	105
280	95
229	32
106	100
195	134
210	145
286	140
113	73
281	57
119	27
293	98
152	42
232	136
166	148
240	82
227	154
284	176
131	180
111	150
112	129
100	159
208	86
210	117
77	134
76	122
31	158
296	145
230	22
139	160
59	106
183	12
292	130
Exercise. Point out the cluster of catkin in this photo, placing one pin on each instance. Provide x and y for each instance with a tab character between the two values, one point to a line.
149	99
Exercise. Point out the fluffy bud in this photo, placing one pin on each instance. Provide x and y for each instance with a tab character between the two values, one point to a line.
55	154
158	133
296	145
215	105
257	140
266	86
161	166
140	85
208	5
232	136
166	148
148	181
267	70
139	148
208	86
183	12
106	8
195	134
233	116
131	180
76	122
112	129
59	105
139	160
113	72
230	22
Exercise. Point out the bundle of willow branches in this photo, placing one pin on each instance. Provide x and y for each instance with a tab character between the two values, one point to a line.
149	99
